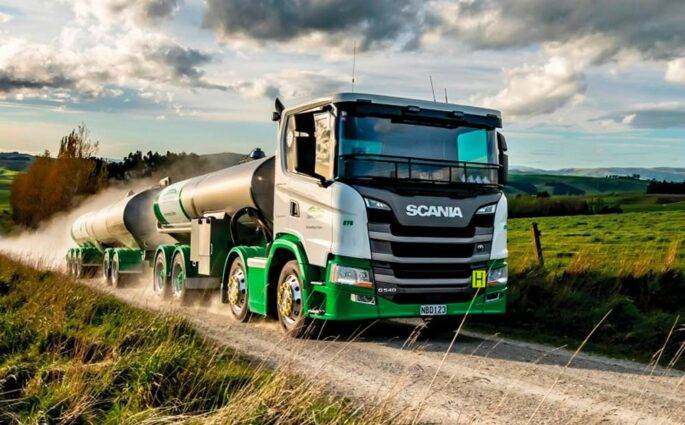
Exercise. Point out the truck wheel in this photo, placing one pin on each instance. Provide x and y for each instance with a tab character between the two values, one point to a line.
160	282
178	279
106	269
289	301
237	291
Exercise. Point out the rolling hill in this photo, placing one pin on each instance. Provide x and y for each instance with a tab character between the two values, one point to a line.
15	161
532	184
671	174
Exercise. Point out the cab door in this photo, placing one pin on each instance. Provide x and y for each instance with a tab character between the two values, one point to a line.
302	196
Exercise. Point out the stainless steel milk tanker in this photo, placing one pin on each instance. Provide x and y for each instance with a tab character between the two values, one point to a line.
248	185
128	223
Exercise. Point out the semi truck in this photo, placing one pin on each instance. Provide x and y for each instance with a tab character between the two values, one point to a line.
372	207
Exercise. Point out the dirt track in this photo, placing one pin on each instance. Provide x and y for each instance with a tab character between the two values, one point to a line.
484	378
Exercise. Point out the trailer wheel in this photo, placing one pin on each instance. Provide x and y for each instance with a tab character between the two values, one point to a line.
70	268
237	291
160	280
117	279
78	268
178	278
106	269
290	304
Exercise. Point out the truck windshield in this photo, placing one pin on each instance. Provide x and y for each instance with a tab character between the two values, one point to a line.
379	147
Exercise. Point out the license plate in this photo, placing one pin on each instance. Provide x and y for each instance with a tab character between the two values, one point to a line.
433	310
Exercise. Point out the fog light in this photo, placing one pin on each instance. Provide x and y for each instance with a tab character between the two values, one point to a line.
363	299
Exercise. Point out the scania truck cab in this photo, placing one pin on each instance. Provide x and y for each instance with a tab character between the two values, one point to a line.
390	207
372	207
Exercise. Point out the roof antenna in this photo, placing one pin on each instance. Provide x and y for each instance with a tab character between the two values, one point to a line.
446	101
354	63
430	77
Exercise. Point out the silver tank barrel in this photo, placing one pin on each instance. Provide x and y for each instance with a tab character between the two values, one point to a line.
245	185
129	223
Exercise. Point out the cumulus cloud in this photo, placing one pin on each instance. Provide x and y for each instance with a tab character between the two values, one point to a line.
374	23
122	11
675	71
654	28
93	59
573	37
34	69
665	115
537	89
4	17
291	84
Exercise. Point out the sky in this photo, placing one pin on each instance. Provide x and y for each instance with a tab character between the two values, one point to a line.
580	84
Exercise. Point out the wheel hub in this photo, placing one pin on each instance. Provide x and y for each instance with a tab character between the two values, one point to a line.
236	285
286	304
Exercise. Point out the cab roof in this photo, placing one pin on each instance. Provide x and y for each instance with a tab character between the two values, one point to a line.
394	101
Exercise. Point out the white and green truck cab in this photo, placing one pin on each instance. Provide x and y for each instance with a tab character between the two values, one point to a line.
372	207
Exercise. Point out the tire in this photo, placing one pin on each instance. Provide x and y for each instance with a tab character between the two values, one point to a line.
289	301
178	279
160	278
78	268
237	291
117	279
106	269
70	267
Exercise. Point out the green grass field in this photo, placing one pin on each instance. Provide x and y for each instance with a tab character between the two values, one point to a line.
632	264
6	177
615	244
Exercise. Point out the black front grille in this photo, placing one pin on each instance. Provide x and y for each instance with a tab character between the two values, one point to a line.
423	271
423	250
413	281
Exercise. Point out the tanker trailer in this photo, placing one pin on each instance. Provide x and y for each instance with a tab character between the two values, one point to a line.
116	239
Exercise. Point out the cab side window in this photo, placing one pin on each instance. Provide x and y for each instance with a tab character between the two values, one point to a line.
309	144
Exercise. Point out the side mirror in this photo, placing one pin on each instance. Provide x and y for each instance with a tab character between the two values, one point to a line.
503	160
276	115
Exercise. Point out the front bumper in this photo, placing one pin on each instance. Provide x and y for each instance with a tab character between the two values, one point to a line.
332	301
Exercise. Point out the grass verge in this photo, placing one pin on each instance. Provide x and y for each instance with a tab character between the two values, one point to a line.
632	264
70	355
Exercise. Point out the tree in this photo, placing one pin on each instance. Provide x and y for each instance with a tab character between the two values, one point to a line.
51	185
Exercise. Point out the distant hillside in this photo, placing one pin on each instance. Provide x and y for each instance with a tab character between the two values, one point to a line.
15	161
659	173
531	184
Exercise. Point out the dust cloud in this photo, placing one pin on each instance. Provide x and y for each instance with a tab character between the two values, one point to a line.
47	245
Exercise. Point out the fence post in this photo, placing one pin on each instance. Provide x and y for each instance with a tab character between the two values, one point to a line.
536	241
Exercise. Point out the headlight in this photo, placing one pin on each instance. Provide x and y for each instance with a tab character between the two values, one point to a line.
488	209
350	276
498	276
376	205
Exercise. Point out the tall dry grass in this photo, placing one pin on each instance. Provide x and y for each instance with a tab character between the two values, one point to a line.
70	355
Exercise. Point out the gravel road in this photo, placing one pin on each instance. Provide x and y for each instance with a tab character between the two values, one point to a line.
483	378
